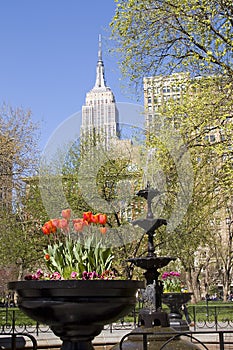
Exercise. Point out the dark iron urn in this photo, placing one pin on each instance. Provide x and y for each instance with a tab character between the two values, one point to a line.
76	310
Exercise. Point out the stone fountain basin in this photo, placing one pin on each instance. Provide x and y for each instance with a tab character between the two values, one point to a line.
151	262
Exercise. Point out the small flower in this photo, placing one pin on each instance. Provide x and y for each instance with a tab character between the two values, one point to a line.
108	275
103	230
55	276
39	273
47	257
90	275
74	275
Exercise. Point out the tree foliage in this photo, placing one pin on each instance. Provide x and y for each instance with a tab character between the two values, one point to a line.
18	160
203	117
158	37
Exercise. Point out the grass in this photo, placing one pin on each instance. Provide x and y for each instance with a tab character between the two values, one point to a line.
211	312
8	314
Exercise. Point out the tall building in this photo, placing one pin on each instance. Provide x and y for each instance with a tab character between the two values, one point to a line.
100	114
158	90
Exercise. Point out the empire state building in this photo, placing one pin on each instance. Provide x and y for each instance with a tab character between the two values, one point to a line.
100	114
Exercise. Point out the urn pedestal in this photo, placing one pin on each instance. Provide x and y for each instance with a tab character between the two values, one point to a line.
76	311
175	301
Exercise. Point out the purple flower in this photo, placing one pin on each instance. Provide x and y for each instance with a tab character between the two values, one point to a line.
55	276
85	275
90	275
165	275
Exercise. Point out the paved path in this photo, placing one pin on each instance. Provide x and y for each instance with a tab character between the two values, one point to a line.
108	338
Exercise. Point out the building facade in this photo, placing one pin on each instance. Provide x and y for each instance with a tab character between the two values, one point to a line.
100	114
158	90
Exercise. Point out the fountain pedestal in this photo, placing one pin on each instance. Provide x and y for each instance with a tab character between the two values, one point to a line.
151	318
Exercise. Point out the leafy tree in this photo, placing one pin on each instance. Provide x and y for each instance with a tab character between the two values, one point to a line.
158	37
19	159
204	110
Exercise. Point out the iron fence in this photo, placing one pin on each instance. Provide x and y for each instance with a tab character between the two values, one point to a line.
203	317
211	316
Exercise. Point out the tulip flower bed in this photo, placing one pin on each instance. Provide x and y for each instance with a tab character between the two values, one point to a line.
77	248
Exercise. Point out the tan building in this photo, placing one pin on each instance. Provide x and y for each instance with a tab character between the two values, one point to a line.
158	90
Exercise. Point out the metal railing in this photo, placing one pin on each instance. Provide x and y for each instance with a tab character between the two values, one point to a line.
219	318
211	317
203	316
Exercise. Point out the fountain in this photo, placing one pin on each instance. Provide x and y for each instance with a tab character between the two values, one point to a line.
77	310
152	319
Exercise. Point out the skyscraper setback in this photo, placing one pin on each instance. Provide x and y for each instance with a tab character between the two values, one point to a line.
100	114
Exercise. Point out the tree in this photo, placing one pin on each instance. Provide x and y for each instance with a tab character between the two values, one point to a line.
203	120
19	157
158	37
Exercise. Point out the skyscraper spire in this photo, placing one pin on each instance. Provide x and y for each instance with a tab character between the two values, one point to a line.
100	49
99	114
100	79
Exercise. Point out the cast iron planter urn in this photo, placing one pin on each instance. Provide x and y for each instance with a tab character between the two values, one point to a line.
175	302
76	310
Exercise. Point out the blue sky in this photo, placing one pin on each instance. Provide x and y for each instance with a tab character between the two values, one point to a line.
49	55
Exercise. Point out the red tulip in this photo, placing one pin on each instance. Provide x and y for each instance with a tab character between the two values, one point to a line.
66	213
95	218
46	230
64	224
87	216
103	230
78	225
102	219
49	228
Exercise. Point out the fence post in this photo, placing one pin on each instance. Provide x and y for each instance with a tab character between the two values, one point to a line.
13	341
144	341
216	318
37	328
13	321
221	340
194	317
